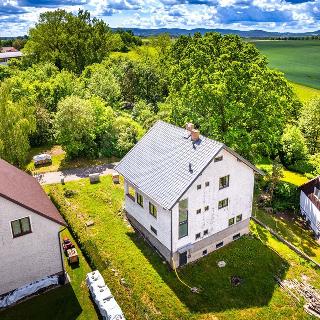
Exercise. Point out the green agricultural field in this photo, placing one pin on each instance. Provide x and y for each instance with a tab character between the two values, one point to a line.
151	289
298	59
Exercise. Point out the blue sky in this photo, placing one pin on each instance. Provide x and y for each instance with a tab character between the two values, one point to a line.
17	16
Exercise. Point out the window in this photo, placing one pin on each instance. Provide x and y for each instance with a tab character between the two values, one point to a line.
204	252
236	236
205	232
239	218
153	230
152	210
183	218
224	182
131	193
198	235
223	203
198	211
317	192
206	208
217	159
207	183
140	199
21	227
231	222
219	245
198	186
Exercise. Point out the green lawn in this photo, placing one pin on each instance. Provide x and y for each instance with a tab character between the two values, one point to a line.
153	291
69	302
305	93
60	162
298	59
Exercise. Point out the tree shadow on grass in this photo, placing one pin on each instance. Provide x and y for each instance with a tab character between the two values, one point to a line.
56	304
248	258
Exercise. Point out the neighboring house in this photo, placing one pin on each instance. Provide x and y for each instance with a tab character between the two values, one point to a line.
29	231
8	49
188	194
310	204
7	55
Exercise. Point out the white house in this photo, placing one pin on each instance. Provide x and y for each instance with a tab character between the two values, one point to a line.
29	231
188	194
6	56
310	203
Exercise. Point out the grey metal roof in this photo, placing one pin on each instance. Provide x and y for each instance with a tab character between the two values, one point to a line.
159	164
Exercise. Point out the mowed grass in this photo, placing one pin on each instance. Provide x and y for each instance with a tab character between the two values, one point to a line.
298	59
69	302
305	93
151	289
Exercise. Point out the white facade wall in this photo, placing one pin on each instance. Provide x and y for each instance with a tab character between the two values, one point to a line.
311	211
162	223
239	193
29	257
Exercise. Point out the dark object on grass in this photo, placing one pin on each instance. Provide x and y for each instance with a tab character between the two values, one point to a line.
235	281
67	244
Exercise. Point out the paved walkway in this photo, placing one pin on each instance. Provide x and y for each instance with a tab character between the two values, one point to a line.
74	174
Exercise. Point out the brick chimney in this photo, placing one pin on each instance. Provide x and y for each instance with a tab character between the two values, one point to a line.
189	126
195	135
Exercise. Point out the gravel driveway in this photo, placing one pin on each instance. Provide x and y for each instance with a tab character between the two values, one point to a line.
75	174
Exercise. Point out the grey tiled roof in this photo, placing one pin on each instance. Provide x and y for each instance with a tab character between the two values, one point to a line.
159	163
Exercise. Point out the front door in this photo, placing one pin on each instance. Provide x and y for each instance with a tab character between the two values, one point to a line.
183	258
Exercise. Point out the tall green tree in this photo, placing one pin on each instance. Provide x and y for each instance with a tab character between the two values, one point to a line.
17	122
310	123
69	41
75	126
223	85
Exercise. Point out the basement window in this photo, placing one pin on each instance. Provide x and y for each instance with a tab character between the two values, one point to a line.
219	245
204	252
21	227
198	235
236	236
239	218
153	230
205	232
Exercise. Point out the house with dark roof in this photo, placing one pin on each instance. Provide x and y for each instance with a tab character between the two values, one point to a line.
187	194
29	231
310	204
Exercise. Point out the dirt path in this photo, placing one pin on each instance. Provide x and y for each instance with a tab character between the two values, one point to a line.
74	174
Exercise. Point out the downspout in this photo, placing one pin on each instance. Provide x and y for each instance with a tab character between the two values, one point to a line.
171	253
63	279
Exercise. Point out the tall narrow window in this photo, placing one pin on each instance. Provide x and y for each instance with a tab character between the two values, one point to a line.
152	210
183	218
224	182
20	227
239	218
231	221
140	199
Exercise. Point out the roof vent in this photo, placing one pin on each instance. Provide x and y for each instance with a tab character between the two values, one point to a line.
195	135
189	126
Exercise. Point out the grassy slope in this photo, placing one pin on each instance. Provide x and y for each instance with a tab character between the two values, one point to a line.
299	60
305	93
154	292
69	302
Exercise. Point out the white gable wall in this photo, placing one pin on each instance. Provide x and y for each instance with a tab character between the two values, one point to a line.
310	210
239	193
29	257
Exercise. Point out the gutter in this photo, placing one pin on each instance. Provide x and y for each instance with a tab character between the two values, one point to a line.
61	257
171	253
